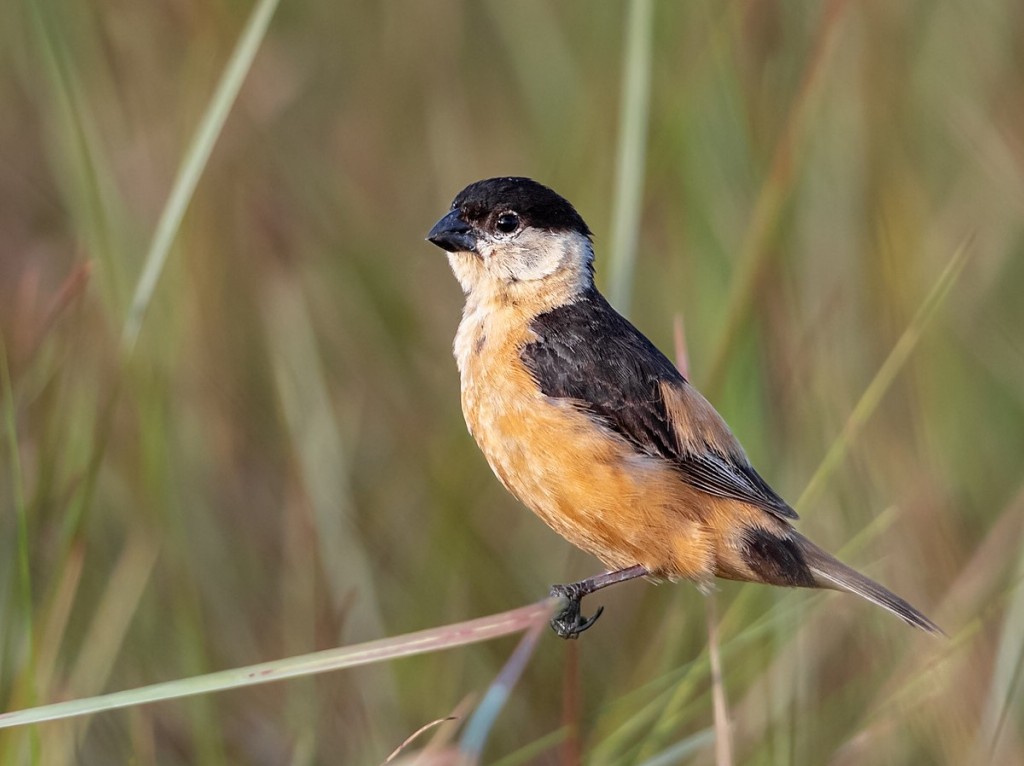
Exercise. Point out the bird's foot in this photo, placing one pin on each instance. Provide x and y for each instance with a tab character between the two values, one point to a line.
570	622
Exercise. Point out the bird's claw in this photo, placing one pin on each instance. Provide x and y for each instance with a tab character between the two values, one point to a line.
570	622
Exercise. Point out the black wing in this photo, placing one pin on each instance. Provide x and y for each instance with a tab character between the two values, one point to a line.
587	352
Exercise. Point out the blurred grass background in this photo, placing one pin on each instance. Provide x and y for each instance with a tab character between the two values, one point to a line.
281	464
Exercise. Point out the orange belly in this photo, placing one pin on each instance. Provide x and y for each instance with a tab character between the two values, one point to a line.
583	480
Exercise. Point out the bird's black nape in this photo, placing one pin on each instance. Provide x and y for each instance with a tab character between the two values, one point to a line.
536	204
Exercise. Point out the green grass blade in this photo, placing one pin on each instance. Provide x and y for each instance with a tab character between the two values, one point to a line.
683	749
529	753
321	455
755	255
27	675
90	169
1004	694
24	577
192	166
633	119
886	374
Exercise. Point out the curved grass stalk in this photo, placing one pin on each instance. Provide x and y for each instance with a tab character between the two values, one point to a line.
382	650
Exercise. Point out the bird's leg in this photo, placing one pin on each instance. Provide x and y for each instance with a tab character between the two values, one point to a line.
569	623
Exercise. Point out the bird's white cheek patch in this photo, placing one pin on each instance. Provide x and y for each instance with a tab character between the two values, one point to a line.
535	255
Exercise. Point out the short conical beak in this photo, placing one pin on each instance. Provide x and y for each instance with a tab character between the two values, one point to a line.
453	234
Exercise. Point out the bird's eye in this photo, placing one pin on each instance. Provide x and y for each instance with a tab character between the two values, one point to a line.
507	223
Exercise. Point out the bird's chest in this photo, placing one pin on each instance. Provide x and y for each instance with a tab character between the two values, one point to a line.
500	401
544	450
516	426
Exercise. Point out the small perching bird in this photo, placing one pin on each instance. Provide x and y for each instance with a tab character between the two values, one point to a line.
594	429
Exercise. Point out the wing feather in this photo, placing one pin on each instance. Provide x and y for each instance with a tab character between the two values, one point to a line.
588	353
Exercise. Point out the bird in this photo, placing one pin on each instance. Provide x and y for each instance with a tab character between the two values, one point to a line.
590	426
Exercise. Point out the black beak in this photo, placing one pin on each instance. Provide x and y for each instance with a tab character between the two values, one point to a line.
453	234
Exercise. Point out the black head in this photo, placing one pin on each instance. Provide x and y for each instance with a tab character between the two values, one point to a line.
483	202
502	206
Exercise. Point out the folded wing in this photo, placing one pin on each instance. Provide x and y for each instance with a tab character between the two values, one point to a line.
587	353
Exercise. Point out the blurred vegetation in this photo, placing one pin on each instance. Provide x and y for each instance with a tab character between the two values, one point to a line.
280	464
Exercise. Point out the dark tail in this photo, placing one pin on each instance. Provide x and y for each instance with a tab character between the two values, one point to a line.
831	573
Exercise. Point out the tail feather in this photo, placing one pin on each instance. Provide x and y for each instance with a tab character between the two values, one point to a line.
831	573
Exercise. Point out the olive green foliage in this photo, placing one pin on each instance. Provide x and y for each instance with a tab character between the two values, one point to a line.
268	456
